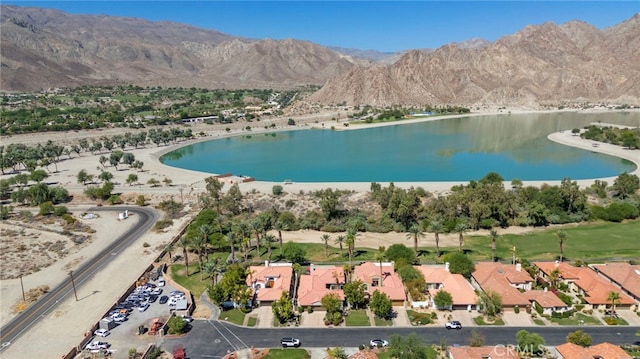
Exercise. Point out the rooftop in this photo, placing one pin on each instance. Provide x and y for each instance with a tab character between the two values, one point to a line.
457	285
601	351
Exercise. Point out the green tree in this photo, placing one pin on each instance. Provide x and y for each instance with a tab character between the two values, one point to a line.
580	338
459	263
176	325
326	238
400	254
214	189
490	303
533	342
415	232
443	300
381	304
436	227
626	185
141	201
356	294
283	308
613	297
493	234
131	179
82	177
340	240
409	347
105	176
562	237
46	208
333	305
38	175
462	226
185	243
294	253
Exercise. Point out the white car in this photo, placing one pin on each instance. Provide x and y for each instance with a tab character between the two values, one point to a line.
119	317
97	345
378	343
187	318
101	333
160	282
454	324
143	306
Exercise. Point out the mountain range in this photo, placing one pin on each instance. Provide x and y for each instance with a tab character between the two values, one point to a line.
539	65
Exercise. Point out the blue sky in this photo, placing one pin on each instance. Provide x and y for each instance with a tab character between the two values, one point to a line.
378	25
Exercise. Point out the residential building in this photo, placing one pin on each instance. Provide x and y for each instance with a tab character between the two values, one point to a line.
593	288
439	278
510	281
381	278
319	282
269	281
599	351
624	275
487	352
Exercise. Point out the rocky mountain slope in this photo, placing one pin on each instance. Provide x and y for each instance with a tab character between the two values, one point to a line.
543	64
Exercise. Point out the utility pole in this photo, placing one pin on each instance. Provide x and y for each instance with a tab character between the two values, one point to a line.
73	284
22	286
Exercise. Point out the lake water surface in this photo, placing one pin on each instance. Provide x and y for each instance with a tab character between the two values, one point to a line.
461	149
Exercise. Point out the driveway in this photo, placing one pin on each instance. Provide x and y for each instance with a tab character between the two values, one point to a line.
521	319
264	315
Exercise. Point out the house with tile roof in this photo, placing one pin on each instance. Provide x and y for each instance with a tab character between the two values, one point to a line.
319	282
381	278
586	283
486	352
439	278
510	281
599	351
624	275
269	281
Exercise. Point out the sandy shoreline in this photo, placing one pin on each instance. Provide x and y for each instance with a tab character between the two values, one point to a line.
192	182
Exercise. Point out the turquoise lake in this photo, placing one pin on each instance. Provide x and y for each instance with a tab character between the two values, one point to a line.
461	149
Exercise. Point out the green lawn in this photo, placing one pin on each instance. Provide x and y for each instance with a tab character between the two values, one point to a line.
288	353
357	318
251	322
577	319
616	321
418	318
234	316
539	322
584	242
381	322
196	282
480	321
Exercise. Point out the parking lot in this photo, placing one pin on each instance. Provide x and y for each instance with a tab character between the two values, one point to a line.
125	335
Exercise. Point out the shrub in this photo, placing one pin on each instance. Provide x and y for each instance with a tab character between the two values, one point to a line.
60	211
176	325
516	309
146	245
565	298
539	308
309	309
277	190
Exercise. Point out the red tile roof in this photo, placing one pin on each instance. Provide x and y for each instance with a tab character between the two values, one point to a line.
460	289
391	284
596	287
281	275
544	299
313	286
603	350
488	352
625	274
500	278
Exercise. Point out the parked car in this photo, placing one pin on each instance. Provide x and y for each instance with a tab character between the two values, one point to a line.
97	345
187	318
290	342
378	343
119	317
143	306
156	291
160	282
228	305
454	324
101	333
176	293
163	299
153	298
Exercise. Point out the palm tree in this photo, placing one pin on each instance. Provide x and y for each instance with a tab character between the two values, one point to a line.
279	226
415	232
325	239
461	228
269	238
184	242
380	256
436	227
614	298
169	248
256	225
554	278
205	231
340	240
351	242
494	236
348	271
213	267
232	237
562	237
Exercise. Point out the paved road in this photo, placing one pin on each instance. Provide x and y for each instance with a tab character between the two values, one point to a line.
212	339
146	217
